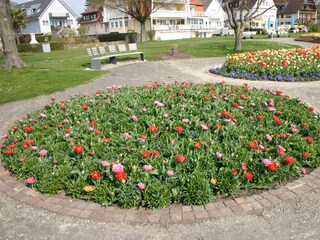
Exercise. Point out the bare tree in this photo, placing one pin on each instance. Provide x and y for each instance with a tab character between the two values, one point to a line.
7	35
240	13
137	9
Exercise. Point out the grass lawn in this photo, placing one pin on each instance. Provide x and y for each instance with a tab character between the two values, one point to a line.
50	72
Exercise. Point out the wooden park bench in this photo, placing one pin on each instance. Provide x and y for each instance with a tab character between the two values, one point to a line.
97	56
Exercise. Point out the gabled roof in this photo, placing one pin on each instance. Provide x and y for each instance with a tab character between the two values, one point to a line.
206	4
41	6
91	10
196	2
292	6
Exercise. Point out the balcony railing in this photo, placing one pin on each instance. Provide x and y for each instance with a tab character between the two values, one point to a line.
174	28
198	14
169	14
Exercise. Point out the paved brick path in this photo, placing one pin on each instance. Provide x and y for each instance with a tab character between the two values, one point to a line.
195	70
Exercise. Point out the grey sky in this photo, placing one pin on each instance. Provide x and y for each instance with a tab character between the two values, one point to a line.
77	6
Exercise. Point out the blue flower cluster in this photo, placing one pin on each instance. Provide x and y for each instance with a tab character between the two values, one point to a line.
255	76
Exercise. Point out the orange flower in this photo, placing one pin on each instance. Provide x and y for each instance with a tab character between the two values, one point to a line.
88	189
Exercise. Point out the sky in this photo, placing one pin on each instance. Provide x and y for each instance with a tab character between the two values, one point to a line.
77	6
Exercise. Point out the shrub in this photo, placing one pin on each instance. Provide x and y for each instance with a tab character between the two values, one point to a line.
151	34
111	37
314	28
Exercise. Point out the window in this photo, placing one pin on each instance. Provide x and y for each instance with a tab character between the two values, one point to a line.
126	23
116	24
120	24
162	22
112	25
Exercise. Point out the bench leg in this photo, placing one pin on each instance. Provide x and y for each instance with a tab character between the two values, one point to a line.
96	64
113	60
141	57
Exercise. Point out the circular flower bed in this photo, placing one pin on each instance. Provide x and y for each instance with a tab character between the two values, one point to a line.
155	145
276	65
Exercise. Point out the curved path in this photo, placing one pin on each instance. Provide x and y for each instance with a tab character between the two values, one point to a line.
290	212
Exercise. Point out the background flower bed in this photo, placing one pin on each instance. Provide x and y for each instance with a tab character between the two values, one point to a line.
310	37
277	65
154	145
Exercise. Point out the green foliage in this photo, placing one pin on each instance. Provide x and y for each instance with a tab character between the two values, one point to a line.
153	145
111	37
314	28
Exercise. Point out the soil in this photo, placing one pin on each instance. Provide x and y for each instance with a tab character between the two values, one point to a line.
176	55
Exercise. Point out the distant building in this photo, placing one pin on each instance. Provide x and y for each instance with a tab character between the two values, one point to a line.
92	21
47	16
296	12
179	19
267	10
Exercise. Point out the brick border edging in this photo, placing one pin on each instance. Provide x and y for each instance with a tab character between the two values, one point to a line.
173	214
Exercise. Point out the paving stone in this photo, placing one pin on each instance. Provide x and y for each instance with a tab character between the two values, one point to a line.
265	195
249	199
264	202
118	217
100	215
164	218
175	209
210	206
256	205
188	216
246	207
219	205
257	197
186	208
175	216
230	203
198	208
154	218
53	200
225	212
274	199
56	208
201	214
311	184
240	200
237	209
287	195
316	181
275	192
91	206
31	192
214	213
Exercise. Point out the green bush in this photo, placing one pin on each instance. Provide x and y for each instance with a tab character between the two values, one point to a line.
314	28
111	37
29	47
38	47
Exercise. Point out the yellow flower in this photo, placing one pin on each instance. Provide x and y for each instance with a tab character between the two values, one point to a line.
88	189
213	181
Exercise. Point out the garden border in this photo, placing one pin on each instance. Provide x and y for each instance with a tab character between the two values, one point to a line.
175	213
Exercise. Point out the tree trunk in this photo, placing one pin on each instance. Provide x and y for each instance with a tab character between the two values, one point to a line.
238	42
143	31
11	56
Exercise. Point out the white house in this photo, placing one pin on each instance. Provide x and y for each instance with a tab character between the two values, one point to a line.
175	20
265	16
48	16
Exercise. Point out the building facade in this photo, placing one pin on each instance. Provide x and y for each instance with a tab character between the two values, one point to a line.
179	19
296	12
47	16
92	21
